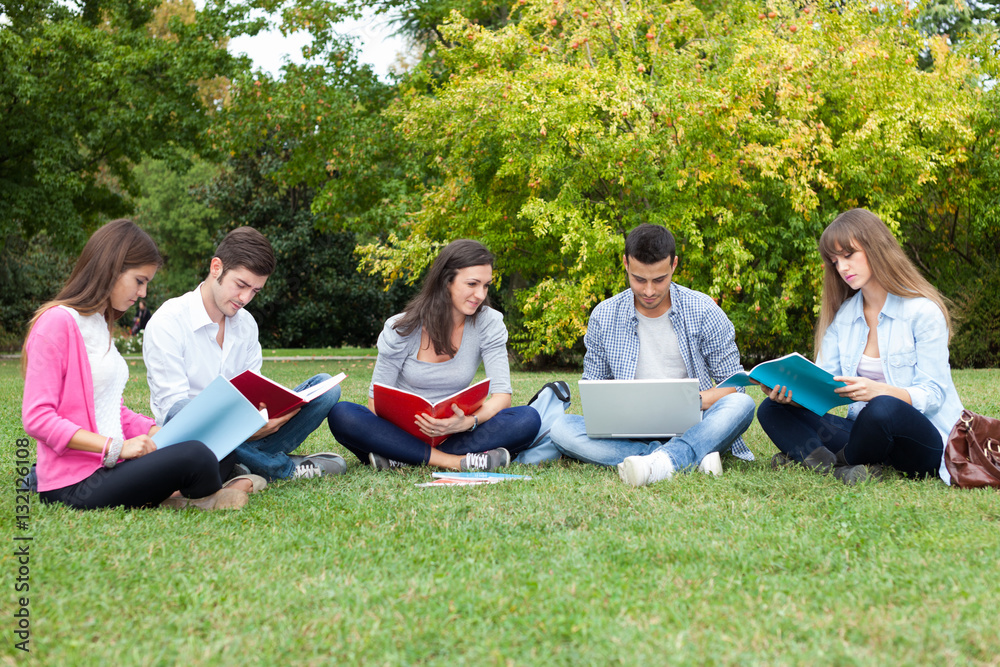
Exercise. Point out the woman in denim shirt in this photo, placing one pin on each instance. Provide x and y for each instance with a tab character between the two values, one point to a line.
884	331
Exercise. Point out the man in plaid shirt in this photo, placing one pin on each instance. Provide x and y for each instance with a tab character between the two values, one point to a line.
659	330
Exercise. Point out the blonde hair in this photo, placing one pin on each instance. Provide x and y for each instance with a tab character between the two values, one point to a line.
861	229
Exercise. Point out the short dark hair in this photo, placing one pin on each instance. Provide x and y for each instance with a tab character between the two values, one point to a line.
650	244
246	248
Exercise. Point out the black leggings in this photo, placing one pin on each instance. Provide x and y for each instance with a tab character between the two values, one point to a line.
887	430
148	480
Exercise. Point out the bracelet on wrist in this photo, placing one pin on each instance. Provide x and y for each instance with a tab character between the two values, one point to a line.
114	452
475	422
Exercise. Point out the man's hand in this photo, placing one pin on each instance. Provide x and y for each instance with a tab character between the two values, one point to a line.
273	425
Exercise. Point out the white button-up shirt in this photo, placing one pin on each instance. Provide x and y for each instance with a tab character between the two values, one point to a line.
182	356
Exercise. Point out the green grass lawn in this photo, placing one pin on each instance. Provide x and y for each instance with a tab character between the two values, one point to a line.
322	352
573	567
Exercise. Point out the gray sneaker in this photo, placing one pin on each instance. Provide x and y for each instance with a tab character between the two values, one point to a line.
379	462
307	470
488	460
332	464
239	470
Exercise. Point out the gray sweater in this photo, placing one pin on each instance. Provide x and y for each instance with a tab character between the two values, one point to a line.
483	340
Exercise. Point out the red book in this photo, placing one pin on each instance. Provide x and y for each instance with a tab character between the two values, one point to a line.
278	399
402	407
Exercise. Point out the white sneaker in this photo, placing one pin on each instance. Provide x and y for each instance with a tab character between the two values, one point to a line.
711	464
643	470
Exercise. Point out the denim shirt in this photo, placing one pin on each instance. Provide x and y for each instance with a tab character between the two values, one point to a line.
913	349
705	336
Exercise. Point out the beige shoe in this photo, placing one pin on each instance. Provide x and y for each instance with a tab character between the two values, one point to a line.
223	499
259	483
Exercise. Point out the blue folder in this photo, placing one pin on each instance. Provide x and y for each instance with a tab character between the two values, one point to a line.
220	416
811	386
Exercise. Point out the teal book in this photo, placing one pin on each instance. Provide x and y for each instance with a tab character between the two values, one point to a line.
811	386
220	416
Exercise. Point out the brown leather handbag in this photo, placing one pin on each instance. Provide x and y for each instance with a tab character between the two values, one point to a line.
972	455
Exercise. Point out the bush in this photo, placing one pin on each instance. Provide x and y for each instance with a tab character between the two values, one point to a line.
126	343
976	339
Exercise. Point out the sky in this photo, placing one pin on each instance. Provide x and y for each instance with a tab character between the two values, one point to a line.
377	45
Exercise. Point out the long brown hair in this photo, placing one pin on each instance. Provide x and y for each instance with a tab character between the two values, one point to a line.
431	308
861	229
113	249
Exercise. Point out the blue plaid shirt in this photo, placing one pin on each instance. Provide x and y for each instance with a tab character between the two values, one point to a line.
706	337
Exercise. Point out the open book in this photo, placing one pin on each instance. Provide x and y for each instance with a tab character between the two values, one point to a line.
220	416
402	407
470	478
811	386
278	399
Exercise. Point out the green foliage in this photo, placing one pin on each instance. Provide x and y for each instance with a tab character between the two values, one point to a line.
976	340
419	20
87	91
31	273
316	297
186	230
128	344
948	17
326	115
743	132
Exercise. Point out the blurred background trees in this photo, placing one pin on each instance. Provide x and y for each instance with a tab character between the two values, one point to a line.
545	129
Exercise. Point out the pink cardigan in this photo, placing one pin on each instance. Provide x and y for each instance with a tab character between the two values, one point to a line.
59	401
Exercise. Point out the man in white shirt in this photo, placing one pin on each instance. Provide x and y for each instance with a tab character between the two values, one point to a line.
194	338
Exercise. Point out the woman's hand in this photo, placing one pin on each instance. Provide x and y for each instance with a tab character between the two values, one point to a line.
779	394
138	446
860	389
435	428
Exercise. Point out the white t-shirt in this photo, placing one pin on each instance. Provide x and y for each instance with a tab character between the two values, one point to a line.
659	354
108	370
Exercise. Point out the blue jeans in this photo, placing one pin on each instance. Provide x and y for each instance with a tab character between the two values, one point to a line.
362	431
268	456
719	427
887	430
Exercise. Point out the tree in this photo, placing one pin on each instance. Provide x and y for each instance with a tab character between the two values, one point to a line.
743	131
170	208
316	297
87	91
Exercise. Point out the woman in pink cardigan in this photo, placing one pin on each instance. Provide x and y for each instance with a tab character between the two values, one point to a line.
92	450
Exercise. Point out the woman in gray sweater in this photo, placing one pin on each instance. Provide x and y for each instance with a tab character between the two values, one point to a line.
433	349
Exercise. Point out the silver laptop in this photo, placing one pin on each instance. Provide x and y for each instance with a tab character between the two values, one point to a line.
640	409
